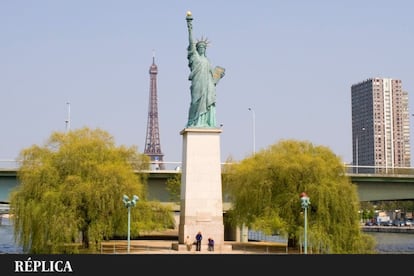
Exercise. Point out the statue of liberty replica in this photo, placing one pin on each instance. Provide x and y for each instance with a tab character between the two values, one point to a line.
204	79
201	203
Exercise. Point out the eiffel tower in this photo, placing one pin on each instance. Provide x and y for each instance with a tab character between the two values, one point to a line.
152	140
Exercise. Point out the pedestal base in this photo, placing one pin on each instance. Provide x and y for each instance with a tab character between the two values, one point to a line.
201	206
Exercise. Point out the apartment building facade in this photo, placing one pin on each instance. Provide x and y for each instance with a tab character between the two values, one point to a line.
380	124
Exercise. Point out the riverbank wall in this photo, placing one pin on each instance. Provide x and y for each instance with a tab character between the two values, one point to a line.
389	229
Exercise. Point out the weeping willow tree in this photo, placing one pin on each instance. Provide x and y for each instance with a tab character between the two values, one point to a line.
174	187
265	193
70	193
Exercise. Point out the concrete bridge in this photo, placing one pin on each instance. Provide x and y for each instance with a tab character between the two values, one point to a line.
373	183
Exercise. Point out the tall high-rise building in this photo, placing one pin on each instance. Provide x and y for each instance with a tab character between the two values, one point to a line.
152	140
380	124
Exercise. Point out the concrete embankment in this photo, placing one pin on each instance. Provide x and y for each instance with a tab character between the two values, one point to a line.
389	229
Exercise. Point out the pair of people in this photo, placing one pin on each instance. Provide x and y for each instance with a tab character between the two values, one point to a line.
198	239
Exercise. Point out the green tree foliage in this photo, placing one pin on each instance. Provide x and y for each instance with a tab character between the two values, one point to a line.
174	187
265	194
71	192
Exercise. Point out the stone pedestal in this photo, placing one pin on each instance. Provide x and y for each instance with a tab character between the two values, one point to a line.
201	192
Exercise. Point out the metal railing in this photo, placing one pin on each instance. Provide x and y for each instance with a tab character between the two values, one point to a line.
379	171
13	164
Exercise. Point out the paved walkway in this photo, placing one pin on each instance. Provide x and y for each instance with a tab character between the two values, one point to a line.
165	247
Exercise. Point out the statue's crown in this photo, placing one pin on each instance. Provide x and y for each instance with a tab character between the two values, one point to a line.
202	42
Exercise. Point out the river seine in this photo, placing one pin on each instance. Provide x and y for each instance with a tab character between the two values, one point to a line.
7	244
394	243
387	243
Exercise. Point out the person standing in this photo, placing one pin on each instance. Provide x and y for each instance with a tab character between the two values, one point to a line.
199	238
210	244
204	78
188	243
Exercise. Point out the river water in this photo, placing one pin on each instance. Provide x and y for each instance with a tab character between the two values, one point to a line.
7	244
394	243
387	243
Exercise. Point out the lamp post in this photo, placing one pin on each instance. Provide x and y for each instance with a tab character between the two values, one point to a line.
129	203
253	129
397	217
356	153
305	201
357	149
67	121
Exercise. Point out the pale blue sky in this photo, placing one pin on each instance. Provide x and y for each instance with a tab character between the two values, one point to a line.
293	62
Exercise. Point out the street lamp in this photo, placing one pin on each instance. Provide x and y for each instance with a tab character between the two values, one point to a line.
129	203
254	129
305	201
356	148
398	217
67	121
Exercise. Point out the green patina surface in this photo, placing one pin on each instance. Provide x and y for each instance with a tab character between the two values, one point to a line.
204	78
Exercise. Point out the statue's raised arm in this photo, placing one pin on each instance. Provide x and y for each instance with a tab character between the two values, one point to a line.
189	19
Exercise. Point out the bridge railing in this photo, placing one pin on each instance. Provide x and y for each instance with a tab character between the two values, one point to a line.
380	171
13	164
9	164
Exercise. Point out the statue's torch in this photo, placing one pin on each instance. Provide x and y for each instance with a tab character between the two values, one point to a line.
189	16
